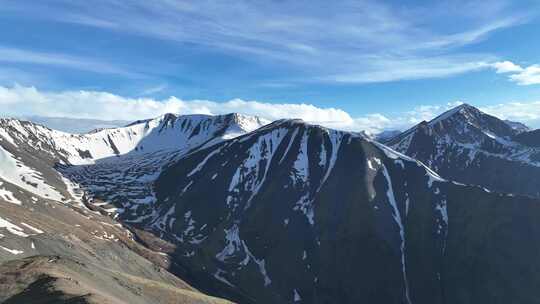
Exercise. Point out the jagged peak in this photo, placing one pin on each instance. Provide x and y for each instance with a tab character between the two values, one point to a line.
463	110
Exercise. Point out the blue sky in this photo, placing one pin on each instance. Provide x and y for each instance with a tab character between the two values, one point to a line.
363	62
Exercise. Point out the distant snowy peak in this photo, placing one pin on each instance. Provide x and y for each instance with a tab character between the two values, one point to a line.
464	131
466	116
472	147
32	155
463	124
167	132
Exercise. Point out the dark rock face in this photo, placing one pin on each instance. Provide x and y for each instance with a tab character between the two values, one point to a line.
472	147
297	213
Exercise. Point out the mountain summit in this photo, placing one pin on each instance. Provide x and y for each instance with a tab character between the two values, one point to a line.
472	147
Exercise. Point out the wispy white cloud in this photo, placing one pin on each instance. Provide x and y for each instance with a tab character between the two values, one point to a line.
16	55
392	69
154	90
350	41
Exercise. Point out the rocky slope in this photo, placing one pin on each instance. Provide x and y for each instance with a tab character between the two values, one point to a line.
57	252
300	213
469	146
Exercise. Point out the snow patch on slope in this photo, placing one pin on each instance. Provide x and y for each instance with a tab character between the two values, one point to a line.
15	172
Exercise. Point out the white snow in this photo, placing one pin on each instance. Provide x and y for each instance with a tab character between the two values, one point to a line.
201	165
293	136
442	208
17	173
262	266
247	177
233	245
36	230
370	165
13	229
322	155
218	275
74	191
397	217
8	196
5	135
166	132
12	251
301	164
296	296
305	205
336	138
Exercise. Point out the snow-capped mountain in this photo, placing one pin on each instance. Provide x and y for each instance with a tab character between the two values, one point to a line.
167	132
469	146
285	212
32	155
300	213
53	246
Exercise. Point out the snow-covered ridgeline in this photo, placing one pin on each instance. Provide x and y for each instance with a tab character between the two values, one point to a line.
167	132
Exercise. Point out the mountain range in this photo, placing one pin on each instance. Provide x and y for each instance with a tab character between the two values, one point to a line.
178	208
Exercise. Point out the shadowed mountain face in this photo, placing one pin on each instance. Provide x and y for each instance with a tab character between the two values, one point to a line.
285	213
298	213
469	146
